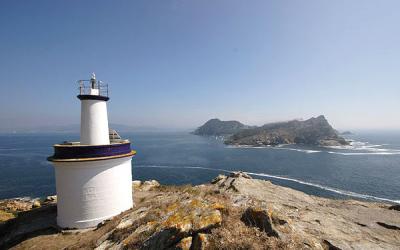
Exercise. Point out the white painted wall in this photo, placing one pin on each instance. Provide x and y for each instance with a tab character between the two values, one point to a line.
94	123
93	191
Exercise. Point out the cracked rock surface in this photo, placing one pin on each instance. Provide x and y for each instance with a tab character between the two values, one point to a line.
232	212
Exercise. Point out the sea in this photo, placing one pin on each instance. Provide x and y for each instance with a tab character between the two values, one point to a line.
367	169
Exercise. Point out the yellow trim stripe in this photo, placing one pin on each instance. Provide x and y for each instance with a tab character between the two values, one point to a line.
84	145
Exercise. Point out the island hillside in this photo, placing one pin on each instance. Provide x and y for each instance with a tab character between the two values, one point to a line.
216	127
314	131
231	212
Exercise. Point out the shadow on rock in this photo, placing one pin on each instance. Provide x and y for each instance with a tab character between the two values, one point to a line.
29	224
260	219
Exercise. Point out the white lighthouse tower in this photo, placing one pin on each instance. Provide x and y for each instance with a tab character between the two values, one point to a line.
93	176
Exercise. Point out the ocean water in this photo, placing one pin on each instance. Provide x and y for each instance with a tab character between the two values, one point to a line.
368	169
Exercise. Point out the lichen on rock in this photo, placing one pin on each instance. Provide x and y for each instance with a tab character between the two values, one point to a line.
184	244
5	216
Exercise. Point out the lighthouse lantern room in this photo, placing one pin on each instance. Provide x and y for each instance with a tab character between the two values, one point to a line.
94	175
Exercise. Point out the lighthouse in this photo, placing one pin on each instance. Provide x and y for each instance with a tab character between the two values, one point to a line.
94	175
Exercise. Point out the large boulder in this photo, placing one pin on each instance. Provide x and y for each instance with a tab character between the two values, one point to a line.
172	225
136	184
51	199
218	179
395	207
239	174
149	185
259	218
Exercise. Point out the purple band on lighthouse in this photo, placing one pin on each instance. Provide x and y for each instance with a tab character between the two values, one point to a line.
93	97
90	151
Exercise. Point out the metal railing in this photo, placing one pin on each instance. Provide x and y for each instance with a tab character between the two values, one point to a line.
86	86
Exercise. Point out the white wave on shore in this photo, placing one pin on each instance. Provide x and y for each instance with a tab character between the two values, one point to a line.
365	153
358	145
363	148
326	188
330	189
309	151
355	148
248	146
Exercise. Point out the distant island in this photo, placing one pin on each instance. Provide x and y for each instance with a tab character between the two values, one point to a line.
314	131
216	127
346	133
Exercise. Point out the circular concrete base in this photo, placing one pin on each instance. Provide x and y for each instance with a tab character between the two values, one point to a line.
90	192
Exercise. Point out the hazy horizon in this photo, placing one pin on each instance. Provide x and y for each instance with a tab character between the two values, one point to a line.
176	64
124	128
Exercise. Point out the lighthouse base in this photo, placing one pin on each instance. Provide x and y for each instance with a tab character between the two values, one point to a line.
89	192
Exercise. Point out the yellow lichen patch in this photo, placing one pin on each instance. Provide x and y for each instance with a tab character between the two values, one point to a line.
151	223
192	190
210	219
180	221
185	243
270	212
126	241
196	203
218	206
5	216
200	242
203	237
172	207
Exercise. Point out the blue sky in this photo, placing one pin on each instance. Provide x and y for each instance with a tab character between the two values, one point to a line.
178	63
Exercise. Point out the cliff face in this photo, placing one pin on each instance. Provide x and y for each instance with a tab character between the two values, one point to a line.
232	212
314	131
216	127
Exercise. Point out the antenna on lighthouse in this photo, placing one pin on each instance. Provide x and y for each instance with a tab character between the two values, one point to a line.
93	80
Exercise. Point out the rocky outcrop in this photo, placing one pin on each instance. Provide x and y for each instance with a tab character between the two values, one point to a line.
314	131
9	208
321	223
146	185
259	218
17	205
232	212
395	207
216	127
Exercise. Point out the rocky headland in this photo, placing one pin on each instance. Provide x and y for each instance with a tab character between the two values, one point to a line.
314	131
231	212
